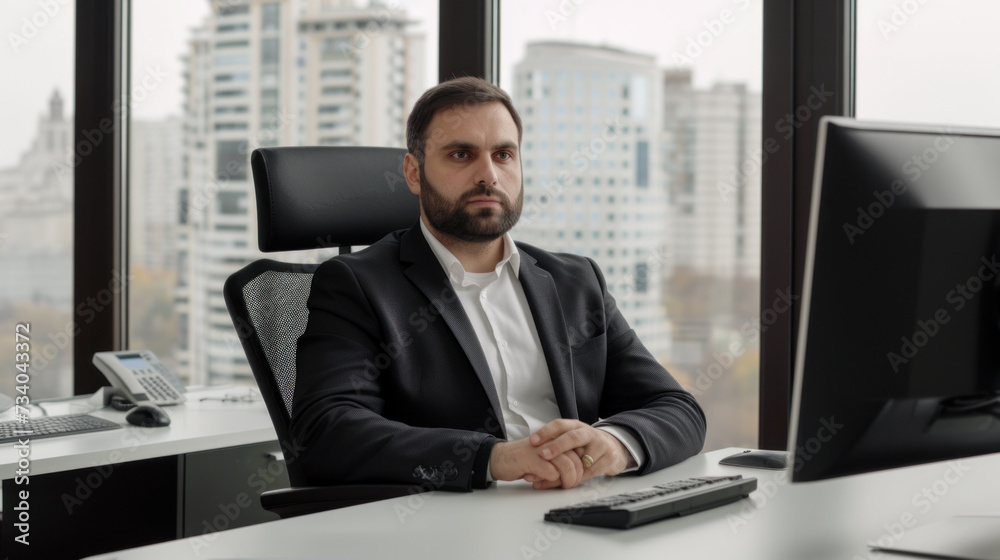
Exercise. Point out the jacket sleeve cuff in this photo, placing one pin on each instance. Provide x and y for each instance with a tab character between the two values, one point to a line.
480	465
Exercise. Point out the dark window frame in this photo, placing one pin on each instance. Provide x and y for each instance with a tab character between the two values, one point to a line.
807	45
99	226
469	39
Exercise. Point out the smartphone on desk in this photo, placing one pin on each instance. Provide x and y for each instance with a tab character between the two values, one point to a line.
140	376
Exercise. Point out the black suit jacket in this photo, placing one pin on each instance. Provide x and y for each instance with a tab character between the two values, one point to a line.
393	385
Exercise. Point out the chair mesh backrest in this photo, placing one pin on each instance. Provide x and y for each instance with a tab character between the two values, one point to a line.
276	304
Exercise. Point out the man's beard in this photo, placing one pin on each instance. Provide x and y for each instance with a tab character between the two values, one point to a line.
476	225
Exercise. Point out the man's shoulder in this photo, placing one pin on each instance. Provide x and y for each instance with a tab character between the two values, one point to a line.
557	263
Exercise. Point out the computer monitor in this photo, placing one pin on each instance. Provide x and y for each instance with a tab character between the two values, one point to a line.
898	355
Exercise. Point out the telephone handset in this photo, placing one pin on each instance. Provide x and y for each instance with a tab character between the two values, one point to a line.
140	376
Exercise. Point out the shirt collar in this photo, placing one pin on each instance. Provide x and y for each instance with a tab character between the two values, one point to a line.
454	269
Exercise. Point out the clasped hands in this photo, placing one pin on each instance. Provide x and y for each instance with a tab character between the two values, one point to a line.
552	456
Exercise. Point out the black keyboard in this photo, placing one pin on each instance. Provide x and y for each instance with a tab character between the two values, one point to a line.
680	497
51	426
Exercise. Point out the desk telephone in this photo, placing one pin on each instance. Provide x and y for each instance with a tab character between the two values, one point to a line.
140	377
140	382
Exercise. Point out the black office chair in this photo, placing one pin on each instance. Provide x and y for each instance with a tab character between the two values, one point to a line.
309	198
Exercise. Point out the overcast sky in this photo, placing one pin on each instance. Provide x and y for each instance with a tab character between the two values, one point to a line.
936	62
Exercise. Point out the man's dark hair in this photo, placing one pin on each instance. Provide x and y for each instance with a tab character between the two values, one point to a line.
457	93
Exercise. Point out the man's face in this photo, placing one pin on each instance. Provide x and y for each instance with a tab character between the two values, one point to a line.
470	184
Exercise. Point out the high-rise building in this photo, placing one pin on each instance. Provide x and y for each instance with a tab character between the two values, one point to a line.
36	250
156	176
591	119
712	158
711	142
361	72
36	206
269	73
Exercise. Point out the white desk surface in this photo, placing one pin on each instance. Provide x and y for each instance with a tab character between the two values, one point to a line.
194	426
831	519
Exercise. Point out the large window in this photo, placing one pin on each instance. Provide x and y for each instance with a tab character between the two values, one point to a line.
688	65
37	159
929	62
233	76
639	152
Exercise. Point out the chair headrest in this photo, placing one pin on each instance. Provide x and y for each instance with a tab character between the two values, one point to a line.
311	197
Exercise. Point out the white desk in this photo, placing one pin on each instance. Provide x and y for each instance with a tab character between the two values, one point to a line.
101	491
194	426
831	519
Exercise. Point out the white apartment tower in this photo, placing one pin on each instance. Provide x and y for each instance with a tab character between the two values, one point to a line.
591	119
268	73
156	173
712	158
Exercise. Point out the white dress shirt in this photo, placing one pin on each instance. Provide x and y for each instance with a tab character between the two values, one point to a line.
499	312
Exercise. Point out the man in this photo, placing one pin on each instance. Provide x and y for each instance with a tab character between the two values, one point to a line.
448	355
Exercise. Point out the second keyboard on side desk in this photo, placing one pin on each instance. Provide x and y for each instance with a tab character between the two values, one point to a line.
680	497
52	426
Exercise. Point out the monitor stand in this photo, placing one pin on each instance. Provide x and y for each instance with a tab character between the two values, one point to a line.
967	537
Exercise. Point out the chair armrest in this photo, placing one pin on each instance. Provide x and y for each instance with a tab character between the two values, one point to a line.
292	502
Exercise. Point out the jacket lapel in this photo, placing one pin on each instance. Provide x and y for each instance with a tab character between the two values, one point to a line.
426	273
543	299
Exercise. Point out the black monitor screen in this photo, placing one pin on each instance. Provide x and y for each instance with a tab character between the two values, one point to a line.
898	358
